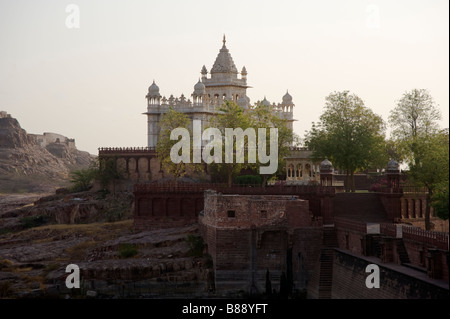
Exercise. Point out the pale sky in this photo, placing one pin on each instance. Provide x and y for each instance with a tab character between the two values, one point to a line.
89	83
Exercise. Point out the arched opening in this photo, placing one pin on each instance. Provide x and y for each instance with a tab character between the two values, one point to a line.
290	170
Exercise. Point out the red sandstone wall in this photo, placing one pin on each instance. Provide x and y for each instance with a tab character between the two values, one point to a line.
271	253
233	249
163	210
393	284
350	240
417	253
305	252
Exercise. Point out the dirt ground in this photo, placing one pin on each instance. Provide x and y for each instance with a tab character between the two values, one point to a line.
33	259
12	201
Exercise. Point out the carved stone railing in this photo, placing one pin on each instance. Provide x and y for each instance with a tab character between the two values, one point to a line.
348	224
235	189
125	150
432	238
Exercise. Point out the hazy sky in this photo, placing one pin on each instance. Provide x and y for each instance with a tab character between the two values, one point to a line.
90	82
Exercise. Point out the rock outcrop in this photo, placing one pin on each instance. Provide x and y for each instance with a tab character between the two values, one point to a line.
12	135
36	163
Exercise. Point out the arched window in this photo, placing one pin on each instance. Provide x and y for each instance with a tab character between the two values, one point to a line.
290	170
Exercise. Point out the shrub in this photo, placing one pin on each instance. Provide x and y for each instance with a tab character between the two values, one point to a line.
378	186
248	180
5	289
128	250
313	183
32	221
196	245
82	179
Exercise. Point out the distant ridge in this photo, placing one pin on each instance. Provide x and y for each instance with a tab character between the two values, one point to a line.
36	163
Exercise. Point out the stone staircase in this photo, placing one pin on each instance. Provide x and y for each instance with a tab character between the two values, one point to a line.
329	237
402	252
326	262
326	273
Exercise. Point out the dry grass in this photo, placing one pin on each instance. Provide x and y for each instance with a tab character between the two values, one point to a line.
97	231
78	252
6	265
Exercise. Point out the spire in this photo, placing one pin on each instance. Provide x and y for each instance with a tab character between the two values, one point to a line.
224	62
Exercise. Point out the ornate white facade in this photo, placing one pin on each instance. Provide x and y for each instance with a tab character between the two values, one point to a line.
300	168
209	94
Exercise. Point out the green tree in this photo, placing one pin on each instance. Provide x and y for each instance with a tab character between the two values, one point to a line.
260	117
349	134
82	179
380	154
440	200
430	169
169	122
231	116
415	117
423	146
109	173
263	116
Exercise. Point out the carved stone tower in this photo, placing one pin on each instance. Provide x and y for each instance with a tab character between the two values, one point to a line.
224	82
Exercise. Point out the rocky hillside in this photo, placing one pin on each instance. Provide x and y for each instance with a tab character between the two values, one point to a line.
35	163
39	237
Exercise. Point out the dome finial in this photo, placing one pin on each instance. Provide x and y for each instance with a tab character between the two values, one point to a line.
224	40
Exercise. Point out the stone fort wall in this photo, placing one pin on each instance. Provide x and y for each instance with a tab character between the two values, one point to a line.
393	283
248	235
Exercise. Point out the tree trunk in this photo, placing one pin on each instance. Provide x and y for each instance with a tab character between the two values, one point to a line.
352	178
230	176
265	178
347	181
